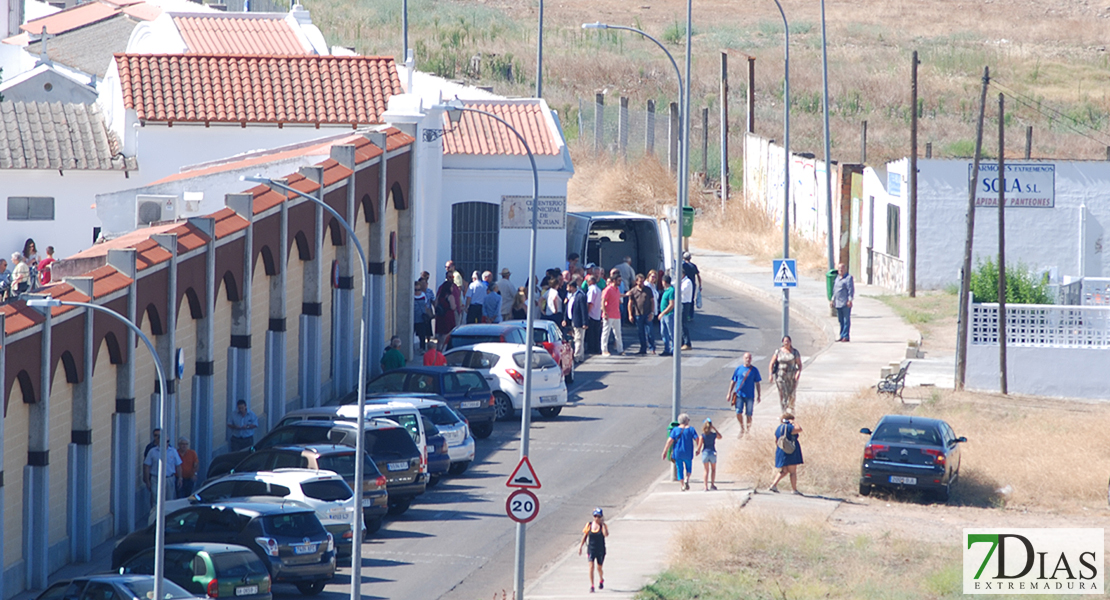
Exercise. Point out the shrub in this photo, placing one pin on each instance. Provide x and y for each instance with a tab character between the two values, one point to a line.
1022	286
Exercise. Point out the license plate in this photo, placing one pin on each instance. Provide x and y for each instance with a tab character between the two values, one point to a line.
903	480
367	502
246	590
397	466
548	399
304	548
471	404
339	514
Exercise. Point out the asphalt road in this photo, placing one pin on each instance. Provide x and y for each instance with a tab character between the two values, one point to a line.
456	541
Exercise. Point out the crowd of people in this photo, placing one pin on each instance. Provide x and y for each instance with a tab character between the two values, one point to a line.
586	301
25	272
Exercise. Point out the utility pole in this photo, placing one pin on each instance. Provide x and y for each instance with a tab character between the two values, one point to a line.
751	94
539	55
1002	243
724	129
1028	142
828	143
911	253
965	276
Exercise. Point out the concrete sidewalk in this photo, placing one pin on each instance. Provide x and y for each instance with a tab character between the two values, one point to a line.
640	542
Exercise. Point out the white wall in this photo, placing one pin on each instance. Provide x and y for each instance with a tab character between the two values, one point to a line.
763	178
1041	371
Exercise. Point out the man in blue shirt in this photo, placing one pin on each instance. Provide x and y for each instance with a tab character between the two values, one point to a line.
744	392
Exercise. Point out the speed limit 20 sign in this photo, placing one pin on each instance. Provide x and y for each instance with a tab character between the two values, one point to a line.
522	506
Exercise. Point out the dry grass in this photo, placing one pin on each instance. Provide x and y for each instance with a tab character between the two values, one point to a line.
738	555
601	182
1039	449
933	313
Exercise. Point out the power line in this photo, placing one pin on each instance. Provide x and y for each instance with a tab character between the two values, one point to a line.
1045	109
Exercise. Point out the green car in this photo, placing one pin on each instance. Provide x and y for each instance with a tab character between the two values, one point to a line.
213	570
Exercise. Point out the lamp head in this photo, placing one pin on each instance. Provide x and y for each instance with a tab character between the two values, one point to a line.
43	302
454	110
254	178
595	25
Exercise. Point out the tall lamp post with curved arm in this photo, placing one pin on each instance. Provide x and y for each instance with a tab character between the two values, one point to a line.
786	164
360	443
683	179
454	109
160	496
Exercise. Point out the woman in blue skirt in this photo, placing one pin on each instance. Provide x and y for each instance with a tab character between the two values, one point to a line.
787	462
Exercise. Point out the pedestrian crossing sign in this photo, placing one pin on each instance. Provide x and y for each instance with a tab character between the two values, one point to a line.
785	272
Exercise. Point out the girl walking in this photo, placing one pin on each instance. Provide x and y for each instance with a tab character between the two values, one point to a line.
594	533
707	448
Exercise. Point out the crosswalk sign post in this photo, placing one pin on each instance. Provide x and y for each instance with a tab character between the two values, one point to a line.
785	272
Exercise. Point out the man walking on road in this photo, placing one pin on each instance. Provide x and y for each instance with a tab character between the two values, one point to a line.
844	290
578	317
744	392
611	307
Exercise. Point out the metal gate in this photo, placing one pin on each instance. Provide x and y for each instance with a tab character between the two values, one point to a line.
475	231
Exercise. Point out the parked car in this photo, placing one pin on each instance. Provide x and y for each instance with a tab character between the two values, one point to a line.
113	587
907	452
205	569
401	413
451	425
323	491
545	333
328	457
283	435
290	540
462	389
503	366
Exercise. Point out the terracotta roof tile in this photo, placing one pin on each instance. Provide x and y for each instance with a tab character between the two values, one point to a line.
239	34
479	134
71	18
319	90
227	222
132	239
107	280
39	135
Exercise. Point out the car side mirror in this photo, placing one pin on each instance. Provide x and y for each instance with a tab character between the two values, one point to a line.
865	431
195	499
961	440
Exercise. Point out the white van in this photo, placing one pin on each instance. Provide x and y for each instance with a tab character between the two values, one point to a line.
606	237
403	413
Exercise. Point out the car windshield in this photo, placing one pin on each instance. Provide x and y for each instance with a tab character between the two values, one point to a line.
237	564
540	360
144	588
459	340
327	490
295	524
440	415
391	441
906	434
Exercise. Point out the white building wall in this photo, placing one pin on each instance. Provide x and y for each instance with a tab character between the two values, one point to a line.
1039	371
764	162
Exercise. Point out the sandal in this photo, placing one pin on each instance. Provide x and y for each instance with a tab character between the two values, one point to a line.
773	489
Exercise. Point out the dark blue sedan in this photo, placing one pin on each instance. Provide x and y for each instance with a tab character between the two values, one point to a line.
915	453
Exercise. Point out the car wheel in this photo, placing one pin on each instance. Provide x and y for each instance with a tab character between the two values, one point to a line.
550	412
399	507
864	489
433	480
311	588
482	431
459	468
373	525
570	376
502	407
944	493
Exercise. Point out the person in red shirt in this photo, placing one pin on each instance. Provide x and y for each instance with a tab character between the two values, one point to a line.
433	357
44	265
611	314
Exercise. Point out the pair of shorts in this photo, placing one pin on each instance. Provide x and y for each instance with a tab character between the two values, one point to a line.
708	456
684	466
595	555
745	405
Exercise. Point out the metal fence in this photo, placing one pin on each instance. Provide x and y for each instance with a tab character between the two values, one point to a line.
1042	325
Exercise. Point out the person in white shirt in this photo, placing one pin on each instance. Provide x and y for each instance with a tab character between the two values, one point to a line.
687	289
508	292
552	303
593	331
172	480
475	297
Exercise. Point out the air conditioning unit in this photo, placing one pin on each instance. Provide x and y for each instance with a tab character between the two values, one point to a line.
154	209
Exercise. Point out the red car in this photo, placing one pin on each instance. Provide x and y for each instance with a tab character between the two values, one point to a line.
547	334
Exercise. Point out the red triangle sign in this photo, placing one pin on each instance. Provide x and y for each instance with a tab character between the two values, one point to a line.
523	476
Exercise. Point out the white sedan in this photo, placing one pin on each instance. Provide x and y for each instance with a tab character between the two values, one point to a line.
503	367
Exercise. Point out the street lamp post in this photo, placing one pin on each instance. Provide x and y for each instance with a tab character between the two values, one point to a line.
786	164
454	109
828	143
360	443
48	303
683	100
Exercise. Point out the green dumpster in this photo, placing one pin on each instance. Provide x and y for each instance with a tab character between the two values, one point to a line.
687	221
830	279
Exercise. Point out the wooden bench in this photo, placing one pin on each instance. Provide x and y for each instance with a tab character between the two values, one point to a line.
894	383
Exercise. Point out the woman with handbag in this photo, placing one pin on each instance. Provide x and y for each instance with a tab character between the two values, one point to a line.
786	368
788	453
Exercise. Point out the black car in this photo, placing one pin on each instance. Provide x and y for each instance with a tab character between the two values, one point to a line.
914	453
464	390
290	541
112	587
285	435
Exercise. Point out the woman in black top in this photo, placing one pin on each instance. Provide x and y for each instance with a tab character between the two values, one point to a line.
595	533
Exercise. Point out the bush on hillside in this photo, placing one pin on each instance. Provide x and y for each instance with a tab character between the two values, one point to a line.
1022	286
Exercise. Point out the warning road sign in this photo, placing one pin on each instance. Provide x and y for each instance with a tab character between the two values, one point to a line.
523	476
785	272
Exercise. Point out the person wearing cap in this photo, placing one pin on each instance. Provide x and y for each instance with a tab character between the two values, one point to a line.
787	464
595	533
508	292
707	448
